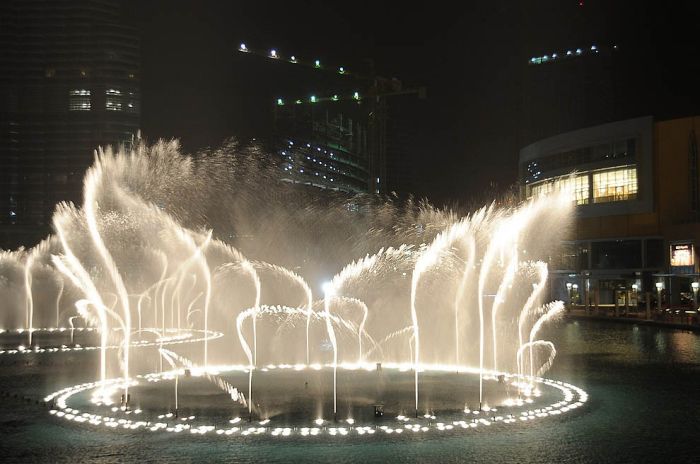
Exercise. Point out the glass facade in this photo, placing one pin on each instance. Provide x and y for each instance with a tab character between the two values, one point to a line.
616	254
578	186
609	185
615	185
571	257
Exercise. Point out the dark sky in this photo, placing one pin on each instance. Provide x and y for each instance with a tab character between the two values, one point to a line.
471	58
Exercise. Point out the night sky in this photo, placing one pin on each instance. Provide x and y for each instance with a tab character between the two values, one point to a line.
463	139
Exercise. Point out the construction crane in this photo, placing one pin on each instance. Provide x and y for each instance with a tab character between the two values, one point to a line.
373	91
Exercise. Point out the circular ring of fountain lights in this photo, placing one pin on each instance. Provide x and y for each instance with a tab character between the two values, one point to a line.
572	398
178	337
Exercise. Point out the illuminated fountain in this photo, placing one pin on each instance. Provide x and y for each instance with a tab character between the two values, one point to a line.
435	320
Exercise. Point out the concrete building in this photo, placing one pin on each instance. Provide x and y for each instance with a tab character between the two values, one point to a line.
637	227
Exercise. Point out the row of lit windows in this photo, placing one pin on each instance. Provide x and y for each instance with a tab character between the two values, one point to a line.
305	156
610	185
79	100
579	186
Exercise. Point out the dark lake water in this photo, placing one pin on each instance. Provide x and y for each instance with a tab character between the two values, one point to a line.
643	382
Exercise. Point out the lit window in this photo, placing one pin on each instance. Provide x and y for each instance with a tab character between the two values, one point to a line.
577	186
79	100
113	104
615	185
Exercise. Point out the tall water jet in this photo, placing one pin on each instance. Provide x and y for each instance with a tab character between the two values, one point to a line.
29	298
61	284
486	263
551	311
468	240
470	244
428	258
71	267
248	266
530	306
361	328
249	355
503	287
299	281
199	256
328	293
92	178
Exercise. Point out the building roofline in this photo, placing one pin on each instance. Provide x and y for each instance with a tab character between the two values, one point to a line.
585	136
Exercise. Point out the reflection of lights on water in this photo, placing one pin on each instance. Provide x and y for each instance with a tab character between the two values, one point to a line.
160	342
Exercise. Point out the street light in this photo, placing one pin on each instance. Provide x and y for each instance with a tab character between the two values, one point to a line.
568	289
659	287
695	286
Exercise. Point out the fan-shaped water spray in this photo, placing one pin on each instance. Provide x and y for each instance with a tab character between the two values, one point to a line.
148	255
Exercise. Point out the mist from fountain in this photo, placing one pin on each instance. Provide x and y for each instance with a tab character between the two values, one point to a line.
433	287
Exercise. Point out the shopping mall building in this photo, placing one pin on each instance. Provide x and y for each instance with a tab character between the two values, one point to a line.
635	184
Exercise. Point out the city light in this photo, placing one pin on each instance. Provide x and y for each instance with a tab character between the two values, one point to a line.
568	53
243	48
273	53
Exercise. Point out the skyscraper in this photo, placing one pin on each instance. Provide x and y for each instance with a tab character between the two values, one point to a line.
591	63
69	76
